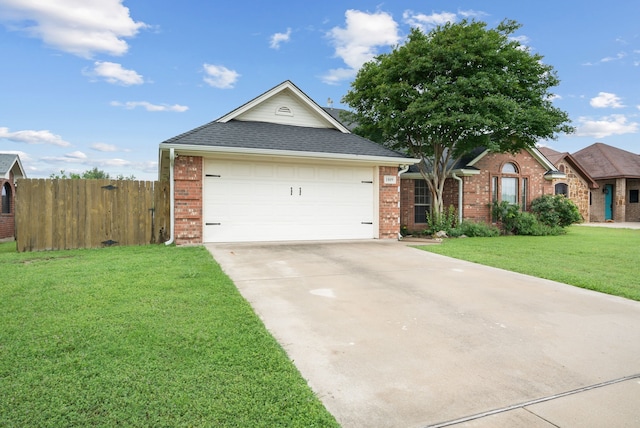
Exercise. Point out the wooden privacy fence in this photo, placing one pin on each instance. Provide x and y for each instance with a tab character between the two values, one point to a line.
54	214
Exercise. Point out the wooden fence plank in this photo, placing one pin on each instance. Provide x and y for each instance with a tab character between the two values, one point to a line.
72	213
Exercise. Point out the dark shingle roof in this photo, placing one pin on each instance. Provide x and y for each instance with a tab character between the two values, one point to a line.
603	161
272	136
6	162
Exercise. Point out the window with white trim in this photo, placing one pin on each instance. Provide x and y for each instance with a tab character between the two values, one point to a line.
421	201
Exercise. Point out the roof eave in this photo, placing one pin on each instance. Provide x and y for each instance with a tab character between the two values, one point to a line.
197	150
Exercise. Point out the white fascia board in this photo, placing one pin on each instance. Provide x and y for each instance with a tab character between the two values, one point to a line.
542	159
477	158
196	150
459	172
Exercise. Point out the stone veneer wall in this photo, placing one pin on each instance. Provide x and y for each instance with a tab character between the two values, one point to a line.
578	189
188	199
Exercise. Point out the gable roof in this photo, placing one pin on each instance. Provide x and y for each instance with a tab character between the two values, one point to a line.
257	128
286	87
556	157
11	163
604	162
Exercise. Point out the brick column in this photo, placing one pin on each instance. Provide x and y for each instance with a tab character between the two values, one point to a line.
188	199
620	200
389	197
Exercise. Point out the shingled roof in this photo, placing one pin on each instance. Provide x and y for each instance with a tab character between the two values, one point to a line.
605	162
11	162
556	157
237	134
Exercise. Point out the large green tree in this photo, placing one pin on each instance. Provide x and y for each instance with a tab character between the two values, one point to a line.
456	88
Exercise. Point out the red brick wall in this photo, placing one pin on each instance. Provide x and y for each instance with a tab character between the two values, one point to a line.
389	204
188	199
477	188
7	221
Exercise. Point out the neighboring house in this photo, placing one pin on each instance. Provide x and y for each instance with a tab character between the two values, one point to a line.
478	180
617	173
577	185
279	168
10	170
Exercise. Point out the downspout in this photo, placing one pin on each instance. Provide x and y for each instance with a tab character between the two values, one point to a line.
172	209
403	169
455	177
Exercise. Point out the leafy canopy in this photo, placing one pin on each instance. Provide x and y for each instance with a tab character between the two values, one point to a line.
459	87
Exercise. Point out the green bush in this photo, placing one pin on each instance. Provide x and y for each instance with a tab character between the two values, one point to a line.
515	222
555	210
447	221
472	230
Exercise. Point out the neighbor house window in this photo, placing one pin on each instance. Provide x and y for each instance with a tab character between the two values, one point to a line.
633	196
421	201
562	189
6	198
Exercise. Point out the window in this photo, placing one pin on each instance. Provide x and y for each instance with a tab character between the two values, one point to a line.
633	196
6	198
509	185
421	201
509	168
524	193
562	189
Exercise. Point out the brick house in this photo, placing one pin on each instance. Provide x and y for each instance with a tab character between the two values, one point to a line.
481	178
578	183
277	168
10	170
617	173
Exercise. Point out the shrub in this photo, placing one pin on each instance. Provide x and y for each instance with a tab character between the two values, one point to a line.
514	221
473	230
447	221
555	210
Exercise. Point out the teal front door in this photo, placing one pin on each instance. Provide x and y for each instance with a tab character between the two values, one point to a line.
608	201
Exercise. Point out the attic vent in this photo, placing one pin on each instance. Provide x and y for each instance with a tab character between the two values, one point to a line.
284	111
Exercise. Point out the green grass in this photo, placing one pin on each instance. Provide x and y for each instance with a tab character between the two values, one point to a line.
596	258
148	336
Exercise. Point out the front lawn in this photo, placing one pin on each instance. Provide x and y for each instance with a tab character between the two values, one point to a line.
596	258
139	336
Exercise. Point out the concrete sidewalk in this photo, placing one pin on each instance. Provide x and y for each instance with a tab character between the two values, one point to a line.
391	336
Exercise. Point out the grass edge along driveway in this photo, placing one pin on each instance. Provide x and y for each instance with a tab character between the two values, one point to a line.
139	336
595	258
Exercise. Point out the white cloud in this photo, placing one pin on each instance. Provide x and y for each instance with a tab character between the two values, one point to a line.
606	99
76	155
426	22
130	105
103	147
33	137
278	38
359	40
614	58
114	73
220	76
616	124
79	27
472	13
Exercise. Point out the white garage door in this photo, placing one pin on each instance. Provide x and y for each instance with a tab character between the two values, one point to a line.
263	201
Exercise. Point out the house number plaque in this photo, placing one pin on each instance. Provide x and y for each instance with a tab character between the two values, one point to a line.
390	179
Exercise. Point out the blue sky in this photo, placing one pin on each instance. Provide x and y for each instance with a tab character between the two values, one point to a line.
100	83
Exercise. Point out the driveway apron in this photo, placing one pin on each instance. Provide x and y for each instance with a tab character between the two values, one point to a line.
392	336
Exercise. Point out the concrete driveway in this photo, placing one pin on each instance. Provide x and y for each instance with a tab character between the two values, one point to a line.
391	336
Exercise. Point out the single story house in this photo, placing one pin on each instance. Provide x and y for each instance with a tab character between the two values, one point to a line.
617	173
10	171
278	168
478	180
578	183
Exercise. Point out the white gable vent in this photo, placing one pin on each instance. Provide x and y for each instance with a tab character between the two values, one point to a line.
284	111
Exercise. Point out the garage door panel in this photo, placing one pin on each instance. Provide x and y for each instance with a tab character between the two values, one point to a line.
253	201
